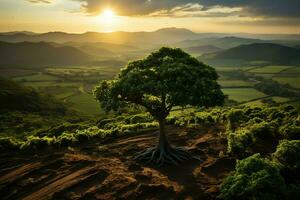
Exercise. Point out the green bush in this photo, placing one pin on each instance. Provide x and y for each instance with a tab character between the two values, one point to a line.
290	131
254	178
8	143
263	130
103	122
66	139
238	142
235	117
141	118
37	143
288	154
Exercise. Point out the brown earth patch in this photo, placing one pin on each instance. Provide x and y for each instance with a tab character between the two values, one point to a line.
106	170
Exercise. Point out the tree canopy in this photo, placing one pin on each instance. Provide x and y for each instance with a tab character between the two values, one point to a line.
166	78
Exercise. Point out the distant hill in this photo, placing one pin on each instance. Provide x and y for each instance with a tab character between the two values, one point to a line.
15	97
202	49
223	43
161	36
100	48
41	53
258	52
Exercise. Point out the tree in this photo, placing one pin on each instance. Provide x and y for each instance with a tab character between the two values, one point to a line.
166	78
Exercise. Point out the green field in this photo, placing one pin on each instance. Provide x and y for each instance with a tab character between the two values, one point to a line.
11	73
85	103
292	81
74	84
269	69
293	71
234	83
36	78
243	94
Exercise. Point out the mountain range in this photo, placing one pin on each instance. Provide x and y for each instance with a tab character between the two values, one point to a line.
165	36
59	48
273	53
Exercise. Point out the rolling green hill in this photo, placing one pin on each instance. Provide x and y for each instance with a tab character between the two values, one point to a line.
14	97
202	49
223	42
273	53
41	53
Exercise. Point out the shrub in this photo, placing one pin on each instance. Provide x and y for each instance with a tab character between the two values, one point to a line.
66	139
103	122
255	178
263	130
288	154
235	117
239	141
37	143
8	143
290	131
142	118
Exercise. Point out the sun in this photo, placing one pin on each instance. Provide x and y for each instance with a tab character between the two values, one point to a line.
107	15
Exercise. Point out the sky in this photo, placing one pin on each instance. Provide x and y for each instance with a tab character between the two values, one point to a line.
223	16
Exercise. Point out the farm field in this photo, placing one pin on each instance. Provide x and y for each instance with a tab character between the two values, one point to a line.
295	71
243	94
292	81
74	84
234	83
85	103
269	69
10	73
39	77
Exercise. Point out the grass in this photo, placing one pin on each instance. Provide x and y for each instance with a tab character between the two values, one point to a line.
43	84
292	81
295	103
254	103
243	94
269	69
292	71
85	103
36	77
280	99
259	102
64	95
84	71
235	83
8	72
268	76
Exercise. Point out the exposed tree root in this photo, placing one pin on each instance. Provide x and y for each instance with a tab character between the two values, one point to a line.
159	156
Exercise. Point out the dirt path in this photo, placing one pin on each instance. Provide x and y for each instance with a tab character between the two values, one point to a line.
106	170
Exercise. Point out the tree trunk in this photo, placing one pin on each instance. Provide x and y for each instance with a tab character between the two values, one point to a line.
163	143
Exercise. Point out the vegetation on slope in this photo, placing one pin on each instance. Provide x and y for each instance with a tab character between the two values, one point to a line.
259	52
40	53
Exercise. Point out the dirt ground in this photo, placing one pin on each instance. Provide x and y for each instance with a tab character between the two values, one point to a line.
106	170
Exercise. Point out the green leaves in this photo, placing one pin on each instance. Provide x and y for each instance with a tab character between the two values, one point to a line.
254	178
166	78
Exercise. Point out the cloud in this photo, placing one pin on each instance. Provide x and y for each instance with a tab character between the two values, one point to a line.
186	8
197	10
40	1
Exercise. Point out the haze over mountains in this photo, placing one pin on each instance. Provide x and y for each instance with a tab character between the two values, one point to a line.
41	53
59	48
272	53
